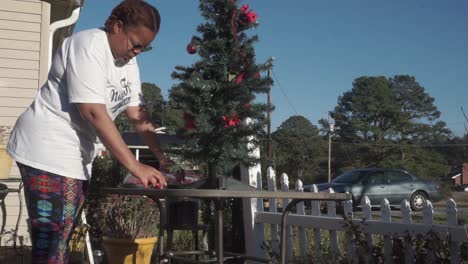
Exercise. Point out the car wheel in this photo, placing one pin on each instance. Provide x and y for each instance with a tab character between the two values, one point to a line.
418	199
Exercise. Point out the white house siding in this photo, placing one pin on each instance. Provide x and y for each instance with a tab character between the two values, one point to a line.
21	32
24	34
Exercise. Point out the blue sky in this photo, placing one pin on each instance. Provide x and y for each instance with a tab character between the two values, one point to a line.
321	46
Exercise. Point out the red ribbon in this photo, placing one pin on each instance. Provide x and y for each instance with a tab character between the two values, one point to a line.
233	24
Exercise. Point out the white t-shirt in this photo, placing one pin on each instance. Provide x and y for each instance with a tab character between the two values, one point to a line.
51	135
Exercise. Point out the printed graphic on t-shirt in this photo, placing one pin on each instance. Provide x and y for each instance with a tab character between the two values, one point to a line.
122	96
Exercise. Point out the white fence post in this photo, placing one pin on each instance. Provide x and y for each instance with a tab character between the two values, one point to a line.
367	215
387	217
253	232
453	221
331	212
350	248
273	208
428	218
406	218
315	211
300	210
284	180
428	213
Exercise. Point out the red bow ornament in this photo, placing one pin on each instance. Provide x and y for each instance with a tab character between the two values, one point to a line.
248	16
231	121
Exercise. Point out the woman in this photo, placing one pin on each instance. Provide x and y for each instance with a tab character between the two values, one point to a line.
94	77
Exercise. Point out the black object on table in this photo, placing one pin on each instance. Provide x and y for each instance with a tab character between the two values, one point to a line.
227	188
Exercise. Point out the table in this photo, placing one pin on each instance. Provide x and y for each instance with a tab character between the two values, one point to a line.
217	196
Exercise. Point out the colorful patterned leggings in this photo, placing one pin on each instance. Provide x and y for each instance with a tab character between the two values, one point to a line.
54	203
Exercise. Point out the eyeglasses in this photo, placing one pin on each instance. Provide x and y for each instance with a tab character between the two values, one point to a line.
138	48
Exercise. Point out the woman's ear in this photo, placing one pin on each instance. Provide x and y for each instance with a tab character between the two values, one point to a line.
117	27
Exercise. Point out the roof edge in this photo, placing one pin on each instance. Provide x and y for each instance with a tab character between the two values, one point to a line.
72	3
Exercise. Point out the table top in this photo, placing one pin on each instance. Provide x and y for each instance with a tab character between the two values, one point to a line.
214	193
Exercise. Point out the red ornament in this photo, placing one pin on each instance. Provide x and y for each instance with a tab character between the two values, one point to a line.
189	121
247	106
257	75
240	77
191	49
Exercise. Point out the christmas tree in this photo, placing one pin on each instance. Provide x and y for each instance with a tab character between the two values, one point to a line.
219	91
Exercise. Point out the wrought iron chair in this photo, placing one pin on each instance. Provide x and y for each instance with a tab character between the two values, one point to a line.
183	214
3	193
19	251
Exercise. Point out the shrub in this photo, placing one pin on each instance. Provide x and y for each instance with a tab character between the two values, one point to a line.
129	216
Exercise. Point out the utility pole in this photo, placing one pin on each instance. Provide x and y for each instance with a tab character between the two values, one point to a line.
331	128
269	149
465	150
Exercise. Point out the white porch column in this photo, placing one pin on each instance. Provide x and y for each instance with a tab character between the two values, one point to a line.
253	232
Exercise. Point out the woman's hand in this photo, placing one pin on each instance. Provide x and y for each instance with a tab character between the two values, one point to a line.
149	176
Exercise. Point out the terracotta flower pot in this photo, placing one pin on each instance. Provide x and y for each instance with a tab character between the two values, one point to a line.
128	251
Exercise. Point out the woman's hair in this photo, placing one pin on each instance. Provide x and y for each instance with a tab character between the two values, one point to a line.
135	13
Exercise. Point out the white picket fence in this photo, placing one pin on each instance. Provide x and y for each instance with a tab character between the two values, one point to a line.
257	219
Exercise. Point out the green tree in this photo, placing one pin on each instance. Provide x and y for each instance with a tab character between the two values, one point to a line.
219	90
384	122
154	103
414	101
300	151
454	151
369	112
122	123
417	107
172	119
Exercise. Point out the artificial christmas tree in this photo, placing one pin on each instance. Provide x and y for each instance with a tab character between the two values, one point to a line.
219	90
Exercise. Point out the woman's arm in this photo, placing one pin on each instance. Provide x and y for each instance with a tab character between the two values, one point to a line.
97	116
141	121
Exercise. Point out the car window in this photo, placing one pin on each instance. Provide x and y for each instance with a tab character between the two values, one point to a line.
375	177
351	176
398	176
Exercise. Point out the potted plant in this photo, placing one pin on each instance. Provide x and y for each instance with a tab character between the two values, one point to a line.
130	229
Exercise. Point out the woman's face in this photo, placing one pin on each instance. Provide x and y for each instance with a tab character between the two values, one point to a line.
126	43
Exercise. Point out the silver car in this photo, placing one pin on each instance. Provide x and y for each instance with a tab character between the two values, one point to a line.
377	184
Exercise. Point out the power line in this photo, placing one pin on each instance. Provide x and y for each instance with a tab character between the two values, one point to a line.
286	143
398	145
466	118
284	93
455	123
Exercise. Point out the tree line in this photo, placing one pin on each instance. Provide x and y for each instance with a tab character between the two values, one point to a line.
380	122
